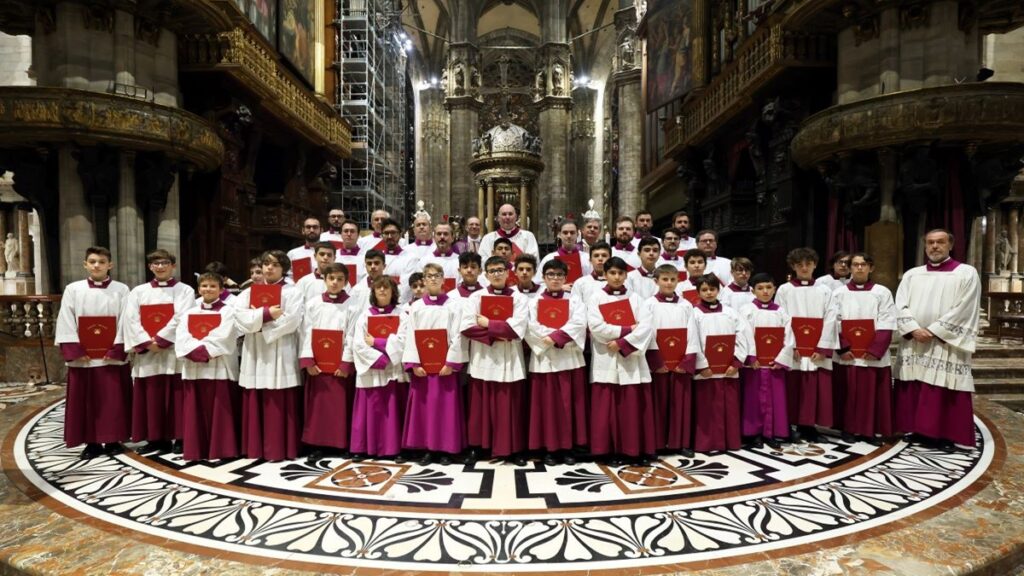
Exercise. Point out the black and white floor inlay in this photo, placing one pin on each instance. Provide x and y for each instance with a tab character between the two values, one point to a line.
494	516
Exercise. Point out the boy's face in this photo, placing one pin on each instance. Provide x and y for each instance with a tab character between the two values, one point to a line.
209	290
162	269
524	274
470	273
349	235
568	236
272	271
324	257
804	269
418	290
649	256
670	242
861	270
382	295
433	282
598	258
741	276
98	266
256	274
708	293
504	251
764	291
841	267
554	280
335	282
615	277
374	267
667	284
695	266
497	275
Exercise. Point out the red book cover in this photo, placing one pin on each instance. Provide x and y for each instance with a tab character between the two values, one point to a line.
807	332
382	326
397	280
860	334
572	261
672	345
719	350
381	246
261	295
516	250
553	313
155	316
691	296
432	346
683	276
338	244
327	349
301	267
618	313
448	284
768	341
199	325
496	307
351	268
96	334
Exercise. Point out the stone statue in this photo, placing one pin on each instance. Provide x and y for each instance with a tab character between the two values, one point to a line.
460	79
485	143
535	144
476	146
474	78
538	83
1003	252
557	76
627	51
11	251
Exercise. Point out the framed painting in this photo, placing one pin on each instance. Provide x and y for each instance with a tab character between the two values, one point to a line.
671	34
296	36
263	15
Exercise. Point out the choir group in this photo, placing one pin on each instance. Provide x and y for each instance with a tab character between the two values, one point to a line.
360	346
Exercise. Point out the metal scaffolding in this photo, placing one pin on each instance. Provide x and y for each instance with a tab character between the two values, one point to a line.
371	55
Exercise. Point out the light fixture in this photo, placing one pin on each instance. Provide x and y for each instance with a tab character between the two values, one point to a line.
433	80
582	80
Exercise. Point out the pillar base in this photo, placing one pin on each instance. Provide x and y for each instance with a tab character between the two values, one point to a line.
883	240
18	284
1001	283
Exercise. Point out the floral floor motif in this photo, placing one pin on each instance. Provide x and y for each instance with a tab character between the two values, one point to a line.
496	517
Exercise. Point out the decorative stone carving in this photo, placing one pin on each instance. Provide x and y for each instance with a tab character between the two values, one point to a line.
96	16
558	79
627	49
1002	251
460	79
913	16
11	252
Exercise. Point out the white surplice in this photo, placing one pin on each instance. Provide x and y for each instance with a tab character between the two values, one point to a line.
808	299
545	359
270	350
447	316
760	315
720	323
502	360
79	300
163	361
874	304
221	344
365	355
613	368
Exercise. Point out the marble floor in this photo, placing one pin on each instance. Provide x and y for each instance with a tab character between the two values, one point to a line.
826	507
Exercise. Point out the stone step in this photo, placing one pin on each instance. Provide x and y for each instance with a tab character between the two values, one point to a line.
1001	386
992	368
1000	352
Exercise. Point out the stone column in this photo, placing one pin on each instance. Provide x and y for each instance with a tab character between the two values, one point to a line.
76	225
464	117
489	219
432	183
3	236
168	231
130	238
581	164
990	241
480	201
24	242
524	209
626	82
554	120
882	238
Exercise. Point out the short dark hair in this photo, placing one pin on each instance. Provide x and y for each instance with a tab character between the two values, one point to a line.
762	278
666	270
323	244
601	245
567	222
99	251
467	258
648	241
694	253
384	280
623	219
160	254
256	262
347	222
837	256
741	263
494	261
802	254
210	277
643	213
615	263
678	213
390	222
216	267
707	231
952	239
336	268
502	241
707	279
271	256
867	257
671	230
374	254
414	278
555	264
526	259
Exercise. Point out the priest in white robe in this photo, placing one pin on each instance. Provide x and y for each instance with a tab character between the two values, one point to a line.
523	241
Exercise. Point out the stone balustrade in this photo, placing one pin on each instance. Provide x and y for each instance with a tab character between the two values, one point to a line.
23	317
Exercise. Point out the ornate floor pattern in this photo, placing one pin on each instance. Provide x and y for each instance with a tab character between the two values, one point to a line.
496	517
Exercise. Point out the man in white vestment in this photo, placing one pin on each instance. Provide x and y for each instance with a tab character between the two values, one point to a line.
311	235
707	242
937	306
335	218
523	240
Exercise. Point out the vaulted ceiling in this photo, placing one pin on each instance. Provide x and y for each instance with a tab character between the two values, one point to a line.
430	24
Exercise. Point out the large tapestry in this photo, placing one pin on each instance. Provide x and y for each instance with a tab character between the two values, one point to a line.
295	40
670	34
263	15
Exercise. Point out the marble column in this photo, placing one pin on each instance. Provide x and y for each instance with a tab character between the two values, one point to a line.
464	114
3	237
432	168
489	215
626	82
524	209
990	241
582	162
168	231
555	121
130	236
480	201
24	241
75	217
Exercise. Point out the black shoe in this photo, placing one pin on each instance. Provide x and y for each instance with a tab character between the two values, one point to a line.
153	446
426	459
91	451
615	461
401	459
809	433
686	453
946	446
471	456
794	435
113	448
757	442
519	460
345	454
177	447
848	438
643	461
445	460
550	460
569	459
873	440
358	457
314	457
773	444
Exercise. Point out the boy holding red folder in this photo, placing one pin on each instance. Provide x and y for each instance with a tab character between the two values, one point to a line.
672	360
98	407
621	399
866	314
809	391
434	352
206	342
557	334
494	321
150	323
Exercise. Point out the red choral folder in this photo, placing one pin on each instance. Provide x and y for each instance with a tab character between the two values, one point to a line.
351	268
496	307
432	346
261	295
448	284
155	316
719	350
516	251
96	334
691	296
860	334
682	276
618	313
199	325
769	342
327	349
338	244
397	280
380	246
572	261
301	267
672	346
553	313
382	326
807	332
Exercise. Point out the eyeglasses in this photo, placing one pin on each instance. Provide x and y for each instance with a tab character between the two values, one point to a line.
389	233
860	265
497	271
433	276
161	263
708	241
311	226
554	275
